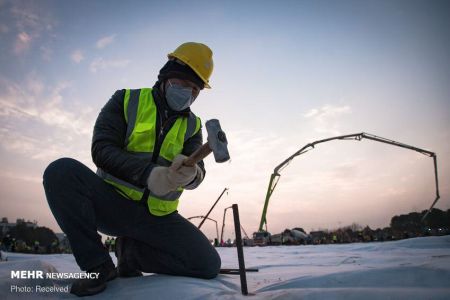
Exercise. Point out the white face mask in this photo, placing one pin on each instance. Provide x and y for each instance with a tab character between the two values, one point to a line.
179	97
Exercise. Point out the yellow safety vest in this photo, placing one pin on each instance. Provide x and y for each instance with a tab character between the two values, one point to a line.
140	114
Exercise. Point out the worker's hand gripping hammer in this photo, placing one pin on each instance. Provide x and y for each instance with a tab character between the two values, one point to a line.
217	143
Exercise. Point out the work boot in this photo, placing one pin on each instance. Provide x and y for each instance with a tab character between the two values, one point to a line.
123	253
87	286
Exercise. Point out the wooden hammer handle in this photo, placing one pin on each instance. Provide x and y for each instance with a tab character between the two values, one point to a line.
198	155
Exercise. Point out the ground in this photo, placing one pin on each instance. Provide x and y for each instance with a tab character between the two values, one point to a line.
416	268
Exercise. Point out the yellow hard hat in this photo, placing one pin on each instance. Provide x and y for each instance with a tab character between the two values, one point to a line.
198	57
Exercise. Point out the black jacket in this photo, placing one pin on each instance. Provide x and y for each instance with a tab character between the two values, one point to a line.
108	141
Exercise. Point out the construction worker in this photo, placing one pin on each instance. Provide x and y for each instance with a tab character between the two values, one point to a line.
13	245
108	244
113	244
36	246
140	140
55	246
6	243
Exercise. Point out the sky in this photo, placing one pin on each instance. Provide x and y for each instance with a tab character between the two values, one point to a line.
286	73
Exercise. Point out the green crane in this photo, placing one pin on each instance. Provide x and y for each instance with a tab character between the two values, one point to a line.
263	236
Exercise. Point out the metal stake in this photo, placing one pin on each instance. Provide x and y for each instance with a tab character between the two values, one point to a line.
240	251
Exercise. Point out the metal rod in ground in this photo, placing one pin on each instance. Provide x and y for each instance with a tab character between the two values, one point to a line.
235	271
240	250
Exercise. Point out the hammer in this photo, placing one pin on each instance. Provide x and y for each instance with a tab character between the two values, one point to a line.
217	144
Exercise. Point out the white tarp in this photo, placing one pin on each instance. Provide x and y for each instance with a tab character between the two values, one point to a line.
416	268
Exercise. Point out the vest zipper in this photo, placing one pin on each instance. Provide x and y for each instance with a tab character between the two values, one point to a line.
160	137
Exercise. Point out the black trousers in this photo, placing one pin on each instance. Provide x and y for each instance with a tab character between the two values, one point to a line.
83	203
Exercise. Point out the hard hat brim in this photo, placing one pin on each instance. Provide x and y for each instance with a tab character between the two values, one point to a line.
193	68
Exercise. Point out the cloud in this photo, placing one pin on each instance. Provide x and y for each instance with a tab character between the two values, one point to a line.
392	192
39	122
4	28
10	175
46	147
327	111
34	84
46	53
313	112
100	64
29	24
22	44
77	56
253	158
20	144
105	41
326	118
25	102
25	16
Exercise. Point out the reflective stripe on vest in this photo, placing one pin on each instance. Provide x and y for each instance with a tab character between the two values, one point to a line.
140	113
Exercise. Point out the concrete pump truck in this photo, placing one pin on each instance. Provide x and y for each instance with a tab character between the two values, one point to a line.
262	237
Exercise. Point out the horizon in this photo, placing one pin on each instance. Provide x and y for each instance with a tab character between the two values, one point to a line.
351	226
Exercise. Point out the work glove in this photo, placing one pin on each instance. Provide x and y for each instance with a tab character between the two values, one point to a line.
158	182
182	175
163	180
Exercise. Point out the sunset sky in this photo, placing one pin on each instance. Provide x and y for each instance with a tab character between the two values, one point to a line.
286	73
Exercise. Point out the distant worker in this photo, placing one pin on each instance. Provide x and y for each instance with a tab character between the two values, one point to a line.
140	140
36	246
360	236
13	245
6	243
108	244
113	244
54	246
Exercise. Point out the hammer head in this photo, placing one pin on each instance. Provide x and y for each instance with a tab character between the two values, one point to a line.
217	141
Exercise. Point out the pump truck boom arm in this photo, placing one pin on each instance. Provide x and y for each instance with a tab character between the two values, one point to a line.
274	178
212	207
203	219
223	223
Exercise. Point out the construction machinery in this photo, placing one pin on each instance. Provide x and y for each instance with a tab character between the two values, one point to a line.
212	207
262	236
290	237
246	240
203	220
206	217
223	224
